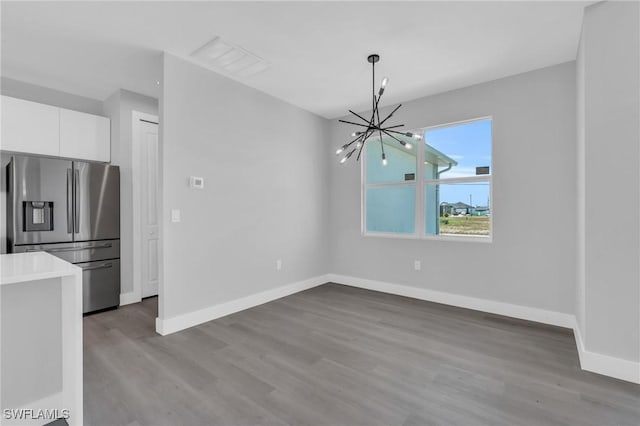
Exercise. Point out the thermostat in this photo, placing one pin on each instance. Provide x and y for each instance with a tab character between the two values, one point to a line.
196	182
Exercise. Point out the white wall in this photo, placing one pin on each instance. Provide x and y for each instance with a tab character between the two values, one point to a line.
610	67
265	196
119	108
531	261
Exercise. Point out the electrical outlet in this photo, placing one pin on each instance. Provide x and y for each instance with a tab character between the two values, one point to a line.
417	265
278	264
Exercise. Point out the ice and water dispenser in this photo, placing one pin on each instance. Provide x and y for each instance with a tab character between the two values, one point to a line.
38	215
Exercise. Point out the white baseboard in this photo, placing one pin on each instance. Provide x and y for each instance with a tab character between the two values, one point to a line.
129	298
605	364
181	322
507	309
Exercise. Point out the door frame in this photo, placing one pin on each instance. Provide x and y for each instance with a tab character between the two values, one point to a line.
136	180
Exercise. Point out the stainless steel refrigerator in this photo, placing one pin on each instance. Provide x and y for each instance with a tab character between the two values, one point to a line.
70	209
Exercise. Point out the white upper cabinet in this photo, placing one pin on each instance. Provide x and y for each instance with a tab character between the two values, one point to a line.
84	136
29	127
33	128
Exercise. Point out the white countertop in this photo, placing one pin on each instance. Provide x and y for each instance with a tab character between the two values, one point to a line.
21	267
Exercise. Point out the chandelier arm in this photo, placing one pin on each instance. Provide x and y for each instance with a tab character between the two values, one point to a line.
354	141
377	99
392	127
347	145
364	140
359	153
355	124
390	114
377	112
372	119
393	131
360	117
381	145
391	136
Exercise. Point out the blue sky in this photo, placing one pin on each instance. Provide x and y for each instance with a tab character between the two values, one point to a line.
470	145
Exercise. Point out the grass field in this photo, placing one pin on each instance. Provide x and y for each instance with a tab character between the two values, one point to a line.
464	225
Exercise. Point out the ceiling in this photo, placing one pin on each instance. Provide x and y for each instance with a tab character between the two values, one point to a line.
317	50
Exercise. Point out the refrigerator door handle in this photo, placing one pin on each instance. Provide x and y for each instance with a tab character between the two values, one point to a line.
69	201
103	266
76	217
62	249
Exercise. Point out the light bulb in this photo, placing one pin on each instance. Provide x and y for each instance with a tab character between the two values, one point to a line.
405	144
342	148
384	159
358	145
413	135
383	85
354	134
346	157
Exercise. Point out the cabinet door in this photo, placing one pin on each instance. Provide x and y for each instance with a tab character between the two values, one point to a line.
84	136
29	127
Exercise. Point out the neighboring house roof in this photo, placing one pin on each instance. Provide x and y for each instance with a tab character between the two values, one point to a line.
460	205
432	155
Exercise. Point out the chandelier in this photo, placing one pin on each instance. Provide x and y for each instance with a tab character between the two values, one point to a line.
373	126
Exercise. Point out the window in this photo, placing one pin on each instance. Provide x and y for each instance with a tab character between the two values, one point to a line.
439	187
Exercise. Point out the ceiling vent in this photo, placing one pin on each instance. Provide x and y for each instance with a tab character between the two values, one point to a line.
231	58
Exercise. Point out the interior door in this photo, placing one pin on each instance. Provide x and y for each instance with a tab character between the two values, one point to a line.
150	207
97	201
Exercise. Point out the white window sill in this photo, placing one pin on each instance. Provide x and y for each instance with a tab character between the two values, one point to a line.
453	238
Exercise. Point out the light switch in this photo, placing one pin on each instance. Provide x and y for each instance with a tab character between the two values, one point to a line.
175	215
196	182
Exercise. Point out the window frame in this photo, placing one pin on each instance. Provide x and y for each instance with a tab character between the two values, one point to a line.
420	185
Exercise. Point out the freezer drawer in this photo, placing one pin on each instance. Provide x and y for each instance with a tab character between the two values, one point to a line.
77	252
100	284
